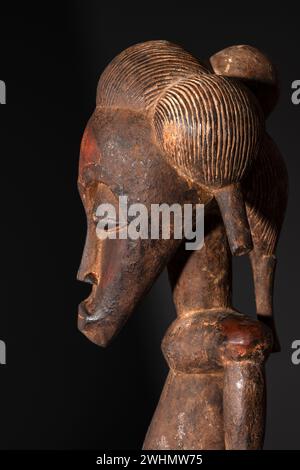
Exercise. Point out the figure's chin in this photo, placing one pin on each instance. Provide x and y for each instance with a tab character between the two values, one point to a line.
98	329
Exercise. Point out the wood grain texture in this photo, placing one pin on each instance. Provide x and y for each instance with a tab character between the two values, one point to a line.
136	77
210	128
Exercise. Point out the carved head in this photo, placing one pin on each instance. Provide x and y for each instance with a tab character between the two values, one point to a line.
165	130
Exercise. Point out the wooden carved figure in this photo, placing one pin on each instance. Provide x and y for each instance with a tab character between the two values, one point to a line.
169	129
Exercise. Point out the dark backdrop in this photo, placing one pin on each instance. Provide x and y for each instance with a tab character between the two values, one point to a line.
58	390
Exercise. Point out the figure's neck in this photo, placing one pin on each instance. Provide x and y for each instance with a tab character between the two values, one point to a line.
202	280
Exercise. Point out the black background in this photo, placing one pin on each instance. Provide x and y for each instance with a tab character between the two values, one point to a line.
58	390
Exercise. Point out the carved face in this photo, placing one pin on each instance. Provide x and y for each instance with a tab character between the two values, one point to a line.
120	158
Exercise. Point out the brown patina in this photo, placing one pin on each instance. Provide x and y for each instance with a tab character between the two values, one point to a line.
169	129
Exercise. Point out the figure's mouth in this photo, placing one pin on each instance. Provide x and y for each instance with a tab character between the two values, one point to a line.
87	306
83	315
82	310
94	325
89	324
98	315
90	317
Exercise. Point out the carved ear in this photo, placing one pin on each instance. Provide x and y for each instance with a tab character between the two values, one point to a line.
252	67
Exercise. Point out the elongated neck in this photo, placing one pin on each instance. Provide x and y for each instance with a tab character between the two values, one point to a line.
201	280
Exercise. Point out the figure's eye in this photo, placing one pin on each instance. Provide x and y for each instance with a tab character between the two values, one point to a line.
105	223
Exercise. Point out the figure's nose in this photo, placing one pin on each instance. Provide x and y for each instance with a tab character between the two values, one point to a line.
89	269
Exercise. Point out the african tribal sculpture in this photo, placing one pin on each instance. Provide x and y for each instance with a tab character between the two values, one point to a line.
169	129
